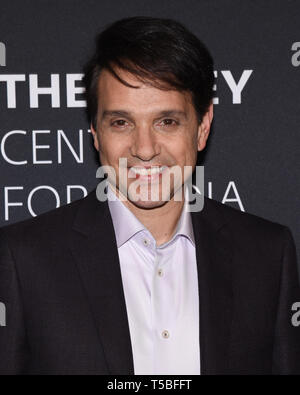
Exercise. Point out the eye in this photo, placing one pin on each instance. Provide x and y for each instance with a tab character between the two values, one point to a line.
169	122
118	122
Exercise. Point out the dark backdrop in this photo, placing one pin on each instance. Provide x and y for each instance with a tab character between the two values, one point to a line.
252	159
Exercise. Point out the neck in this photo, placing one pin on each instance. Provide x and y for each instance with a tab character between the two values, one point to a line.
160	221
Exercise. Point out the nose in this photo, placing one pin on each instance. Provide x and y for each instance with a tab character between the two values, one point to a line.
144	145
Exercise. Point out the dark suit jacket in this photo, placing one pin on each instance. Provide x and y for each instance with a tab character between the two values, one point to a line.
61	283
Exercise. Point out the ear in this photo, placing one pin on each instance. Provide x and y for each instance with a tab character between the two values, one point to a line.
95	136
204	128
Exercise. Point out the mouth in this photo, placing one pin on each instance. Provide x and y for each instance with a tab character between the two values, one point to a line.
147	173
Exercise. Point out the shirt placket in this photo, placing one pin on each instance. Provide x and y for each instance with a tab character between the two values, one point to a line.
162	299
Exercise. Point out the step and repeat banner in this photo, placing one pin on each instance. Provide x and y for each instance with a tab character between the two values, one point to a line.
252	160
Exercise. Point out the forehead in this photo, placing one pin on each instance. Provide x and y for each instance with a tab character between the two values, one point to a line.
113	93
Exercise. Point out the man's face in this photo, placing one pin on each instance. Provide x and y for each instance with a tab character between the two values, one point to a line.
149	127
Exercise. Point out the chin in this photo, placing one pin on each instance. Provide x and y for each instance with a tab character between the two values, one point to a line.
148	204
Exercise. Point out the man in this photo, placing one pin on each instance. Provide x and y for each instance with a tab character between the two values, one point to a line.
144	286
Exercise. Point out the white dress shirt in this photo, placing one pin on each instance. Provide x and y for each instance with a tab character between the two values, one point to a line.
161	292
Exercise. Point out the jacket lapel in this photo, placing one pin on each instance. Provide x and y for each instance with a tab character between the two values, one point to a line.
214	255
94	249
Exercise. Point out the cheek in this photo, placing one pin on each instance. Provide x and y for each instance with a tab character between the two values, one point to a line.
113	148
184	151
192	150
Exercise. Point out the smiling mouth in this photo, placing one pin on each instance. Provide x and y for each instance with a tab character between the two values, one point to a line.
147	171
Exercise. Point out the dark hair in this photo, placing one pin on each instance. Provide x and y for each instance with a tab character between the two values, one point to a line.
158	51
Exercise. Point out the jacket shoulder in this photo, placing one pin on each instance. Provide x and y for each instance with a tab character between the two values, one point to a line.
252	231
56	221
236	216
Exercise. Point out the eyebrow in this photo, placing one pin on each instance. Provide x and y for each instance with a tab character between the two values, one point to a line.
122	113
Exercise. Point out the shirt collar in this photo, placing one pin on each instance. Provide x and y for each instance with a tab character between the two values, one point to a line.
185	226
127	225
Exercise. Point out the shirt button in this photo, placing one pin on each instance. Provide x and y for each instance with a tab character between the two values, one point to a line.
146	242
160	272
165	334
